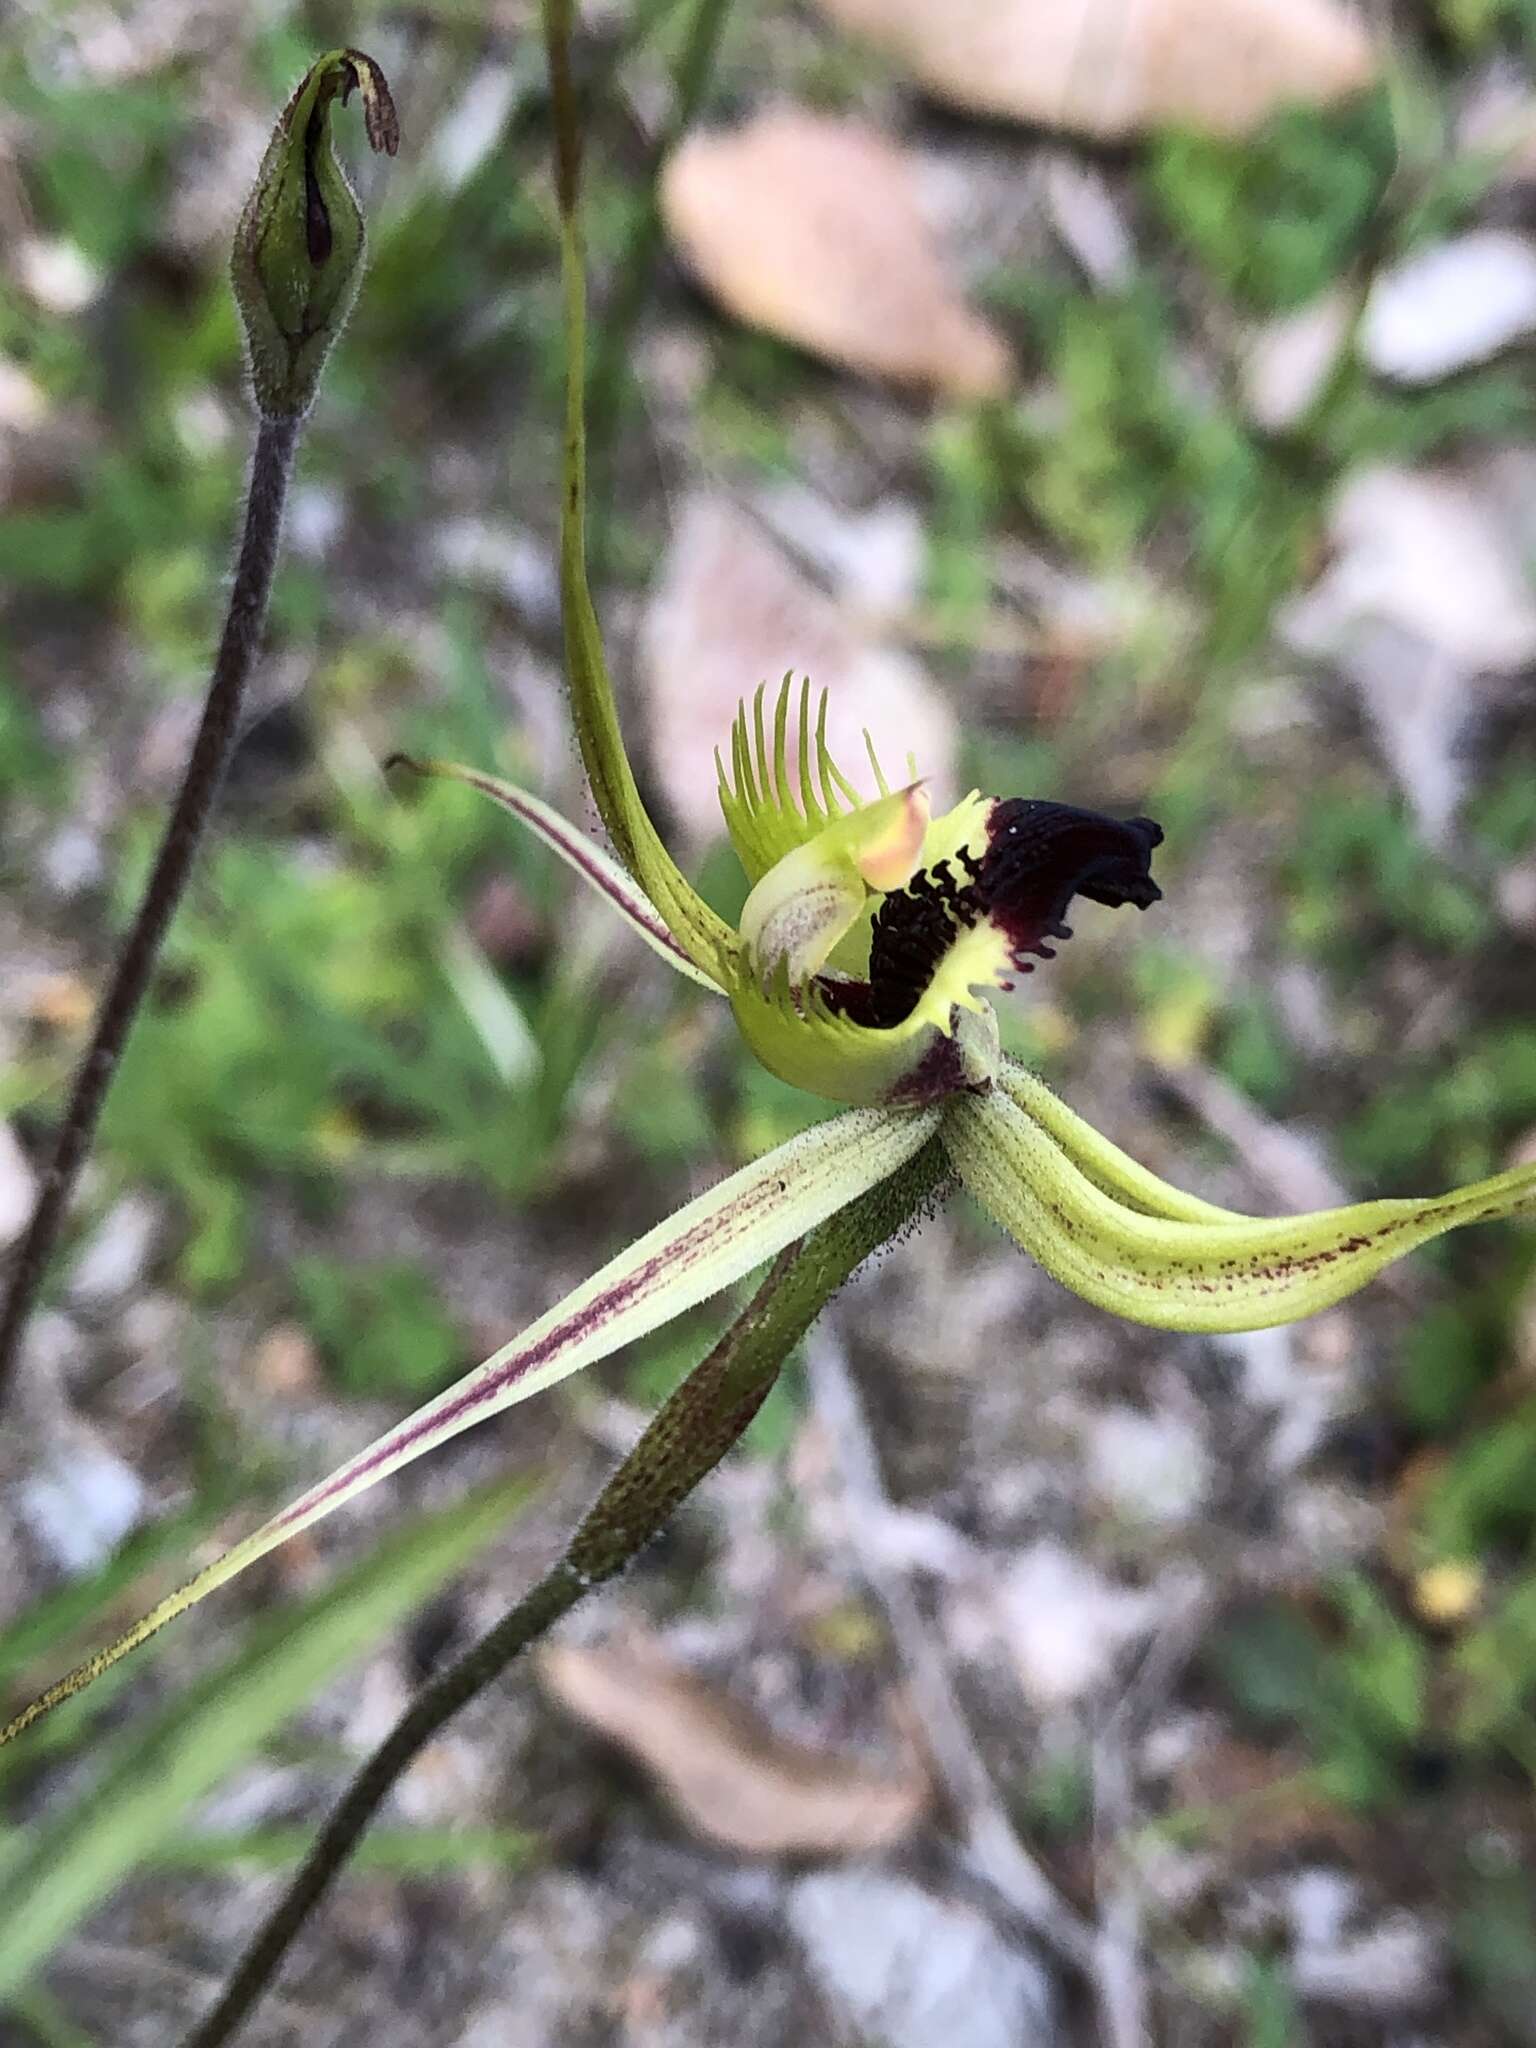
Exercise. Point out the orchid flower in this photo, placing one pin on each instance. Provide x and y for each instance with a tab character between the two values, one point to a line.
872	942
862	970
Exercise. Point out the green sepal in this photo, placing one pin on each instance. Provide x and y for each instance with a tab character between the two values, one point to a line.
1154	1264
708	1245
1112	1171
597	868
709	942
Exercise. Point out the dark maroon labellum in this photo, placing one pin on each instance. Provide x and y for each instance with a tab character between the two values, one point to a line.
1039	856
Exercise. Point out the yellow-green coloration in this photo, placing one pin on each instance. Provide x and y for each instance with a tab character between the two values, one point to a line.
298	254
874	940
768	811
819	864
1152	1263
706	939
811	898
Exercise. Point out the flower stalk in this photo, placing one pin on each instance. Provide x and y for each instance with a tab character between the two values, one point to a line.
295	270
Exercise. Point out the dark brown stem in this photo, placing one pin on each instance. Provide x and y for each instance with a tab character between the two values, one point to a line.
276	442
689	1435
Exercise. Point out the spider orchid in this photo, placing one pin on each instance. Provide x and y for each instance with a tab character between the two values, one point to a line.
870	945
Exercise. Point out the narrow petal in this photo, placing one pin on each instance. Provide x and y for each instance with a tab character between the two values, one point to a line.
1112	1171
1180	1274
584	855
713	1242
707	940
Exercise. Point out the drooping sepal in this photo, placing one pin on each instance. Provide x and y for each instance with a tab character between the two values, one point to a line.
1156	1262
707	1246
298	251
1112	1171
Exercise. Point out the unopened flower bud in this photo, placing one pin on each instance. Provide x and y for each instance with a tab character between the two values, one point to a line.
298	256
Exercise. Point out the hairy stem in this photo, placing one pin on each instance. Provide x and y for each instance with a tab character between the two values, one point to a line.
688	1437
276	443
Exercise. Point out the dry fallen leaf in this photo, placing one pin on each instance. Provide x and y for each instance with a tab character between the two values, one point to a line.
1065	1623
284	1364
809	226
1288	360
1117	67
902	1967
730	611
726	1774
61	1002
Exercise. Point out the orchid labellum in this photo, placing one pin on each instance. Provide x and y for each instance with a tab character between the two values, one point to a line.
871	945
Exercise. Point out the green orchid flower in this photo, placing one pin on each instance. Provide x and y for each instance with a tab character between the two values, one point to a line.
868	949
871	944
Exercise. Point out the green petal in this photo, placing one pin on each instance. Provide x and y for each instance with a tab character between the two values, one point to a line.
1182	1274
707	940
595	867
707	1246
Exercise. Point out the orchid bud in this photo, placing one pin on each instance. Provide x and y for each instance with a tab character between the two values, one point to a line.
298	256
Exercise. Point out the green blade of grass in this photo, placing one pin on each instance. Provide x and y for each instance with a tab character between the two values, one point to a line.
404	1852
152	1775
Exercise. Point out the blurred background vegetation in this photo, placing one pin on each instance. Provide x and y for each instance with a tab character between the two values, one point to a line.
397	1086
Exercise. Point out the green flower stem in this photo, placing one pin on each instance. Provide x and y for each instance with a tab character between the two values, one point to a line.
271	468
688	1437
